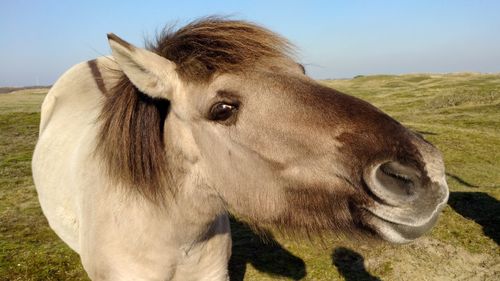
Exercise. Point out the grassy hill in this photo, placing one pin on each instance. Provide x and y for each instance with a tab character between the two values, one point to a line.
5	90
459	113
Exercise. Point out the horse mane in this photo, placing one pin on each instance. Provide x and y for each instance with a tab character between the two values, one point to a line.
130	138
214	45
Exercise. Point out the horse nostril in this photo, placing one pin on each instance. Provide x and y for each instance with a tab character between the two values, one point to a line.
394	183
391	174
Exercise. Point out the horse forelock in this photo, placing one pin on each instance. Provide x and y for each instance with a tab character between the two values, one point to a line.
214	45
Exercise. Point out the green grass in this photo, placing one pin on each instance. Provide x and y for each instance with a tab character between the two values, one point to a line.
29	250
459	113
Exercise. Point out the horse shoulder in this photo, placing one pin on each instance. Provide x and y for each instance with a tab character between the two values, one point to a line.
67	126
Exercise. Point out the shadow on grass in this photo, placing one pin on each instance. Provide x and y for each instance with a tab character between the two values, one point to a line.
481	208
351	265
461	181
269	257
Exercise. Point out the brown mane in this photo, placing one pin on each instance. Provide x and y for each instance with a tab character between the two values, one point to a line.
130	139
213	45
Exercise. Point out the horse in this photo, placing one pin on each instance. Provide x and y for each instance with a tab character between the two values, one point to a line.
142	155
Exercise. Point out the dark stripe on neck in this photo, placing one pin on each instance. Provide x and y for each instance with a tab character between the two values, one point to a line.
96	73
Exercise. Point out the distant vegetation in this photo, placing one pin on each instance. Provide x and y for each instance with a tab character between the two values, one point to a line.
459	113
5	90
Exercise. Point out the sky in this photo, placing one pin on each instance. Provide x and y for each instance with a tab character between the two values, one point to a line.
39	40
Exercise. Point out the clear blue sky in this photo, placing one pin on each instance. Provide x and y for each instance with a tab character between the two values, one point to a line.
39	40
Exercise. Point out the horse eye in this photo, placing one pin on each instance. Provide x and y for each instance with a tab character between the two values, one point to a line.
222	111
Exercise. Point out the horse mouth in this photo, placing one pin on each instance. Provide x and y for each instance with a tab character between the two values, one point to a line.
396	232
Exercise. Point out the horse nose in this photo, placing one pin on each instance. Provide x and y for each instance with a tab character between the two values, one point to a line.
394	183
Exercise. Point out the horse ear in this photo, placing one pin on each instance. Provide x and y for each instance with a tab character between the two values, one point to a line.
152	74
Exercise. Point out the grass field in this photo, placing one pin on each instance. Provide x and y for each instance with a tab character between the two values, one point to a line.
459	113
